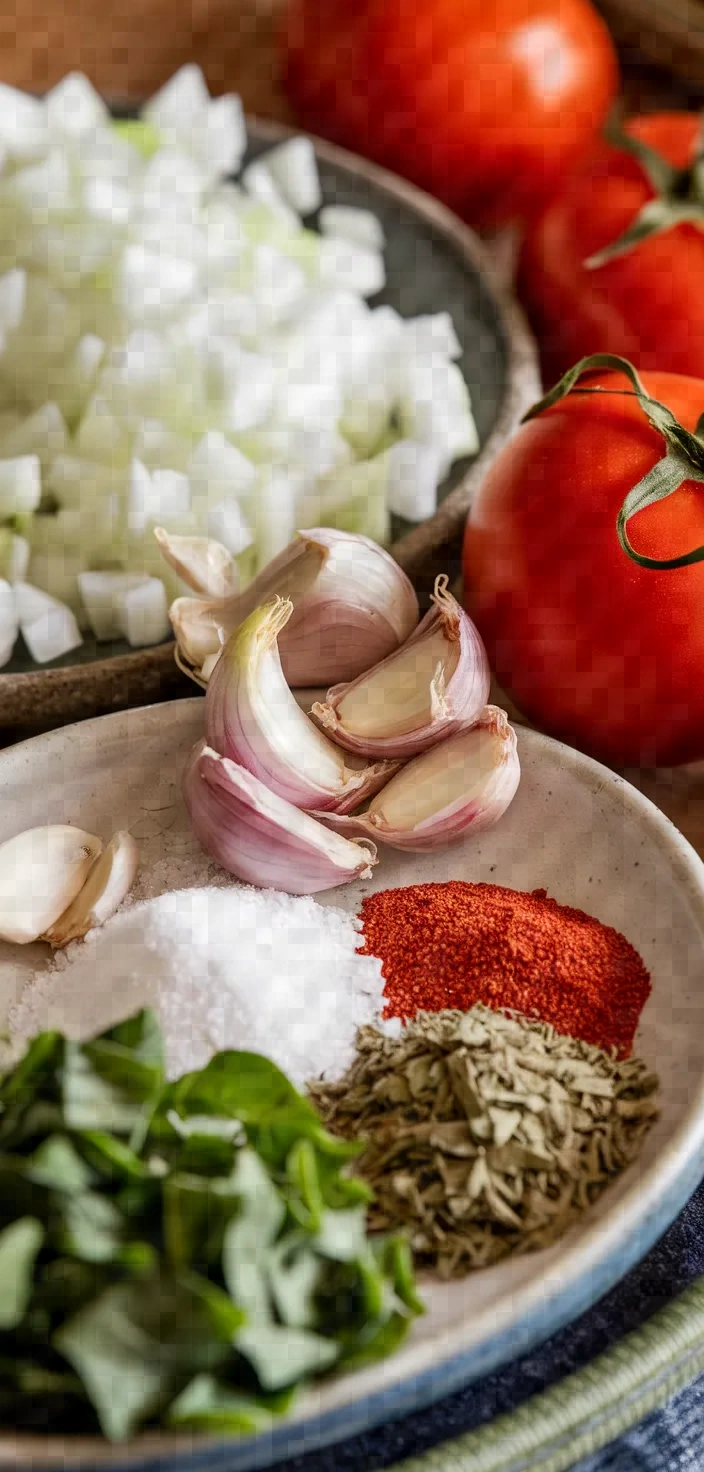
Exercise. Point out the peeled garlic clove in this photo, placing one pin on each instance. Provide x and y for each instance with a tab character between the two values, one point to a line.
41	872
260	838
252	717
462	786
352	606
109	881
201	563
195	629
435	684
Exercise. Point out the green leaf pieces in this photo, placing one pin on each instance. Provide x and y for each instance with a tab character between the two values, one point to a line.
205	1405
284	1356
19	1245
679	197
185	1253
121	1368
683	459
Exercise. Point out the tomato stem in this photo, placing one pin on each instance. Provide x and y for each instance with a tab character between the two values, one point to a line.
679	196
683	459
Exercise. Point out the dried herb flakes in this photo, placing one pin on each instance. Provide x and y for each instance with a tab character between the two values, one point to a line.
486	1134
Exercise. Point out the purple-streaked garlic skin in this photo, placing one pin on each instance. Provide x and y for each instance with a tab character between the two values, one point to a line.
353	605
259	838
464	698
248	705
467	815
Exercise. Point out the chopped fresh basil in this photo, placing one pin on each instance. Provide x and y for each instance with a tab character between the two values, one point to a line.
185	1253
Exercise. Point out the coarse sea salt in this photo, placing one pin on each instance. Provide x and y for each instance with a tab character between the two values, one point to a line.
223	968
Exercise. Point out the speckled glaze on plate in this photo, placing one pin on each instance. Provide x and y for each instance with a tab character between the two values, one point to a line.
434	263
573	828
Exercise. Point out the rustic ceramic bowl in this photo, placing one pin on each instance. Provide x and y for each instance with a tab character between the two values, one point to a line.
434	263
574	828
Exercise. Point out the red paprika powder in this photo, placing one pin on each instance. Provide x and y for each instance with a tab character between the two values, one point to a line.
454	944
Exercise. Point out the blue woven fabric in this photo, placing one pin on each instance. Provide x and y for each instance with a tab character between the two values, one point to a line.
671	1440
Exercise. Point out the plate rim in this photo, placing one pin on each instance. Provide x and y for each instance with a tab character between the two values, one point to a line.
589	1267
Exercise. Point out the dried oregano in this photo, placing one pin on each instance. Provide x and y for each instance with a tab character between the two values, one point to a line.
486	1134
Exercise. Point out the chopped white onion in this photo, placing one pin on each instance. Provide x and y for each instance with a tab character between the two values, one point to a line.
343	263
432	334
102	593
225	523
14	556
260	184
74	108
20	485
143	613
177	350
48	627
414	476
9	623
294	169
24	125
360	226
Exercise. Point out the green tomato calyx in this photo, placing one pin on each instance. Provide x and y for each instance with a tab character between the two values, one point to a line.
679	196
683	459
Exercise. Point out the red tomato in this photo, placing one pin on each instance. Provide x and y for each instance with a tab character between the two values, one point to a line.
595	649
646	305
486	105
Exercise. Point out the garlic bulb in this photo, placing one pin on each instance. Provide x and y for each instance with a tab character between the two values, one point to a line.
435	684
261	838
201	563
352	605
108	882
463	785
252	717
41	872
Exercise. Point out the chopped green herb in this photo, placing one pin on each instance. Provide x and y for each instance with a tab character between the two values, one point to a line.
185	1253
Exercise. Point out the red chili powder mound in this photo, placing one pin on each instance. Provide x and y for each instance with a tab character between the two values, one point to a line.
451	945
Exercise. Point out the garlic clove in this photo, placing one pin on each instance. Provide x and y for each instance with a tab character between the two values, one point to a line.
201	563
195	627
261	839
109	881
41	872
361	607
464	785
252	717
435	684
352	606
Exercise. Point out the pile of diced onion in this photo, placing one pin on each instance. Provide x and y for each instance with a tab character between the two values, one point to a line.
177	349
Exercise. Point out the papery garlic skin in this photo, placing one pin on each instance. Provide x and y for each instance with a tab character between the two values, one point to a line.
360	608
197	635
352	605
202	563
437	683
261	839
252	717
109	882
456	789
41	872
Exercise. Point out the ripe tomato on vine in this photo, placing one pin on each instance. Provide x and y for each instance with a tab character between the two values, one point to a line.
584	564
615	262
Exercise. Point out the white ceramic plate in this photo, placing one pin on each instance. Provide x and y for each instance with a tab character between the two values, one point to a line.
575	829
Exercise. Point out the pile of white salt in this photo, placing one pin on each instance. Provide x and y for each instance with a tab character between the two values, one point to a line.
222	968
